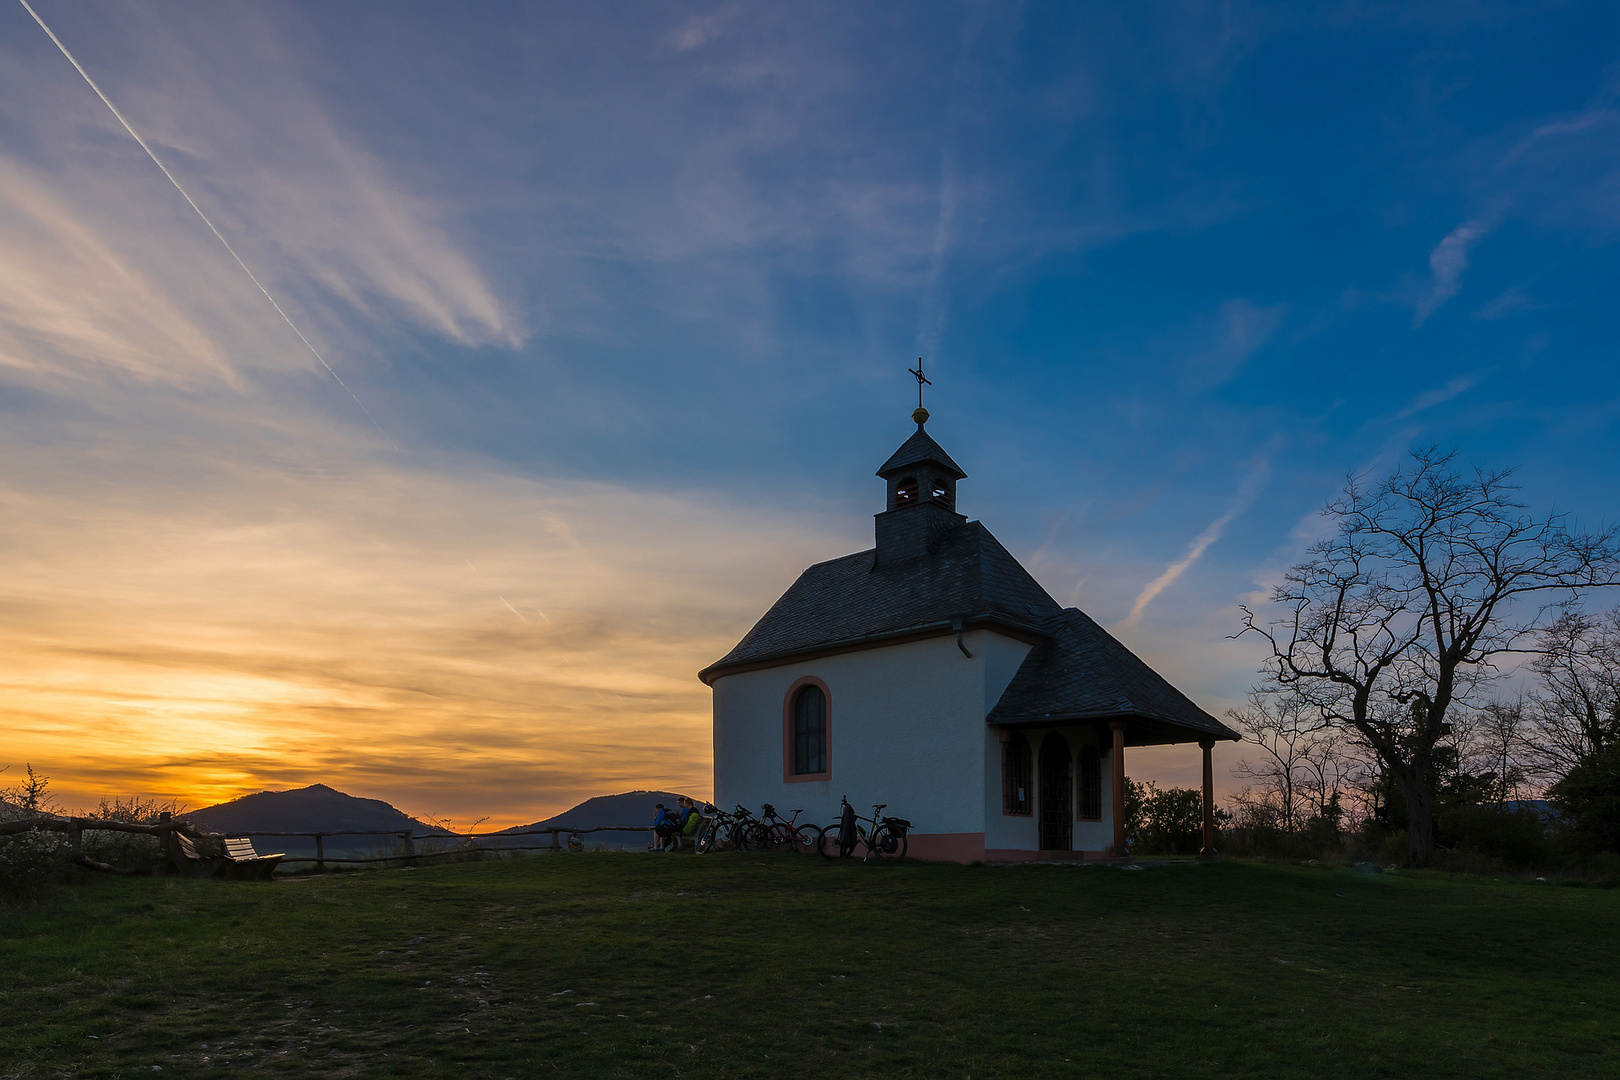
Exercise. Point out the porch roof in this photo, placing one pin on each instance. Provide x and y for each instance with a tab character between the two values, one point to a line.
1082	674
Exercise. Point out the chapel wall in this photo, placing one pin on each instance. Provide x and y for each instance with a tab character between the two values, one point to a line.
906	723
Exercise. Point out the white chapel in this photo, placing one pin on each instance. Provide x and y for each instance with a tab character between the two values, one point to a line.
932	673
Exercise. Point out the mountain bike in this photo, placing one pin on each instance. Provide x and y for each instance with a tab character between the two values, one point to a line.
776	833
883	837
720	834
742	830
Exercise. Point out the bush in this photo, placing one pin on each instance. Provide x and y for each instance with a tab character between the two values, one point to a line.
1517	837
33	861
1589	797
1168	822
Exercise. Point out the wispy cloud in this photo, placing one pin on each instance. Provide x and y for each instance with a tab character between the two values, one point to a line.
329	626
1240	329
1246	494
1428	399
1447	262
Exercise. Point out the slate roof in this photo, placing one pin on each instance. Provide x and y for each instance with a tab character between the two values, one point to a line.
968	576
1078	671
1082	672
919	448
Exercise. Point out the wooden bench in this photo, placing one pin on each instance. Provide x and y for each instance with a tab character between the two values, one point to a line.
193	861
244	862
240	861
687	841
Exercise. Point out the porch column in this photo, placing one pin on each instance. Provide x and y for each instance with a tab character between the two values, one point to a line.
1118	728
1209	800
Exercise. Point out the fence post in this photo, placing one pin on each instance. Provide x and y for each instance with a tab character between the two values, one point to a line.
555	841
410	847
320	852
170	861
78	837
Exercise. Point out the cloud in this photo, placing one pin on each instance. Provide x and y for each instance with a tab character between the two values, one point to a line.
1240	329
224	626
1447	262
73	304
310	208
1438	396
1507	303
1252	484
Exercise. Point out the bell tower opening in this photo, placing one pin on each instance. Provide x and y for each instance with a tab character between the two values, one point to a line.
922	496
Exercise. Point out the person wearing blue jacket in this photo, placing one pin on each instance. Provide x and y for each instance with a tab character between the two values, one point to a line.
665	825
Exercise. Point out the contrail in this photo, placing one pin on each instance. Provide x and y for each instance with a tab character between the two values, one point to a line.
1246	495
105	100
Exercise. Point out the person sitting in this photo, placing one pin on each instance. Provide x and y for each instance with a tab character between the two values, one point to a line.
694	822
665	826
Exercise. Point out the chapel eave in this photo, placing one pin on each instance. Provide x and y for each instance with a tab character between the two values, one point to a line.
1018	631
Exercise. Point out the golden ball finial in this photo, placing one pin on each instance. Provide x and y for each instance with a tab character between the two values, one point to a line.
920	416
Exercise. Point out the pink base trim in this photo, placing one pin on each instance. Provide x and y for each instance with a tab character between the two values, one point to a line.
956	847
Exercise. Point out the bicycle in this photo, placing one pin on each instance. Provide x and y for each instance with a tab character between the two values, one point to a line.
742	828
784	834
723	832
886	839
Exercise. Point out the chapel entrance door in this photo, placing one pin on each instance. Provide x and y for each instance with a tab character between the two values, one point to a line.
1057	794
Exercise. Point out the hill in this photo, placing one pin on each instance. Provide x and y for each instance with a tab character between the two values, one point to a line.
316	808
629	808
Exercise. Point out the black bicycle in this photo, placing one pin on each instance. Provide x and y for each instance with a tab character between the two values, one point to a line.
777	833
883	837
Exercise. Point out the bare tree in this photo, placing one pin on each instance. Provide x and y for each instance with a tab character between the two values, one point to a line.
1429	577
1492	741
1306	764
1576	710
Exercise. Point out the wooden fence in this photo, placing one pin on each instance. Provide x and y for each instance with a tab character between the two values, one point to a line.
459	843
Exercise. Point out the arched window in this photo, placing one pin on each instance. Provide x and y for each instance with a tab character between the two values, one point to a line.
906	490
809	731
1017	775
1090	784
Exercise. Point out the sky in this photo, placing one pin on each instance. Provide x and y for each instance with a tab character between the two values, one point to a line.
597	322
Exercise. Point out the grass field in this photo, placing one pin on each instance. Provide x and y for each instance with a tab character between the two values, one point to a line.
607	965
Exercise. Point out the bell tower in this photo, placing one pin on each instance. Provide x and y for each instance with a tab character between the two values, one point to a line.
922	496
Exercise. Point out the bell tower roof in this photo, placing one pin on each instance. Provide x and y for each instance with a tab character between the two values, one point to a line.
918	449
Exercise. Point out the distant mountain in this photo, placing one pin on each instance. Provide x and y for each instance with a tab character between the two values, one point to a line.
316	808
634	808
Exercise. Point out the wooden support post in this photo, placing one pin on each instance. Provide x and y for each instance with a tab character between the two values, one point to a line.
556	844
320	852
1118	728
78	838
1209	800
410	847
171	856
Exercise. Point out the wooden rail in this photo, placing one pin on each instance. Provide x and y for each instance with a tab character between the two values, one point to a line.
165	827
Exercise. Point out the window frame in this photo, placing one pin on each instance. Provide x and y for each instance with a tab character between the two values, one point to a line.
789	731
1028	776
1086	791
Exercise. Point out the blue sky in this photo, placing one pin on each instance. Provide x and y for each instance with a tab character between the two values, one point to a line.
630	292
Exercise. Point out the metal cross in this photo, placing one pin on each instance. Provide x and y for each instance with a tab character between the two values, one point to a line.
921	378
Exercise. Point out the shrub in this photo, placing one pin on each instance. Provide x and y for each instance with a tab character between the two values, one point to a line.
1590	798
30	862
1168	822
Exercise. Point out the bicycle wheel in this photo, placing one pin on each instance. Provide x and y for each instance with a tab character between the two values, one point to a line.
806	838
829	846
889	843
757	837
